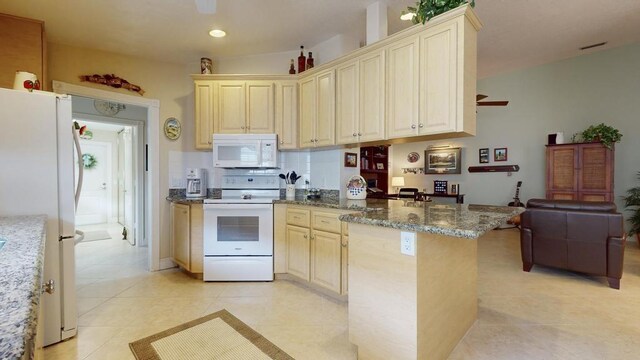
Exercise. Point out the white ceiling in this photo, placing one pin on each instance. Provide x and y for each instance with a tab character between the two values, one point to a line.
516	34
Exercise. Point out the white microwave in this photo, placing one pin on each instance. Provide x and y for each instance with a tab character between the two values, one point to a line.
245	151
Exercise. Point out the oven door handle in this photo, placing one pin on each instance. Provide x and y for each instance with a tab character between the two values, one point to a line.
211	207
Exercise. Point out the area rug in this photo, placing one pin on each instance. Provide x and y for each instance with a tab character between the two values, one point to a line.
96	235
216	336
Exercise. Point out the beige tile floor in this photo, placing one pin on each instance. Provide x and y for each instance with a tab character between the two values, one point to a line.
545	314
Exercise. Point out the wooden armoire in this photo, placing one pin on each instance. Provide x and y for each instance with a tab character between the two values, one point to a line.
580	172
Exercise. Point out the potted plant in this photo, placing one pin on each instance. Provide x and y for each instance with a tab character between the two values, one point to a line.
426	9
632	203
605	134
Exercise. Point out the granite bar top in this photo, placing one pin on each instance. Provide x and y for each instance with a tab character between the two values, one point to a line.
179	199
337	203
457	220
21	267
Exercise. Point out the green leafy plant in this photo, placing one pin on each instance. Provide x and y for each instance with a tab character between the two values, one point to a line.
605	134
632	203
426	9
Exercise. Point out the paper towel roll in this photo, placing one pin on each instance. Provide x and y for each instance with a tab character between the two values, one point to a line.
21	77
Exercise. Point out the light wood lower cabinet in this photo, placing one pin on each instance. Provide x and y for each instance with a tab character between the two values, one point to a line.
186	236
316	249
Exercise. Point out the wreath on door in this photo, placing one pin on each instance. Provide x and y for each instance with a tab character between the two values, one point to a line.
89	161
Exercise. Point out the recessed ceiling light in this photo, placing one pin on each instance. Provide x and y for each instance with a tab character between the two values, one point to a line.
407	16
217	33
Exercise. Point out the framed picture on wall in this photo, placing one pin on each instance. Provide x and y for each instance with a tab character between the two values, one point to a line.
350	160
500	154
442	161
483	155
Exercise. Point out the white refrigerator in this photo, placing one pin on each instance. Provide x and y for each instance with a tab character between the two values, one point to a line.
37	177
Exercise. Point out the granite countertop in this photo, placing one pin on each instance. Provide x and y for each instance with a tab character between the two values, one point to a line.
181	199
21	266
338	203
458	220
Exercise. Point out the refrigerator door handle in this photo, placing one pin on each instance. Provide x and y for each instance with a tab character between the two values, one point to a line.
76	140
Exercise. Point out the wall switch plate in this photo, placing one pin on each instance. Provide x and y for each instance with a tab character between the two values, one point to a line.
408	243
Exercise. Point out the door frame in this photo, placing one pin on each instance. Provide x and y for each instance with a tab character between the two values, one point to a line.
151	191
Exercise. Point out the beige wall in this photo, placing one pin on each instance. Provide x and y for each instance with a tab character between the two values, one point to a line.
169	83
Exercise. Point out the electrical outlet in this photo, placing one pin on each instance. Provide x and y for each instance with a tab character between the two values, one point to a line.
408	243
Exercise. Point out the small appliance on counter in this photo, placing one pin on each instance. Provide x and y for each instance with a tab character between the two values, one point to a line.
196	183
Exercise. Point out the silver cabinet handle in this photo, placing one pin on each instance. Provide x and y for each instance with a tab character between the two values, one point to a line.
281	142
413	126
354	134
209	142
312	237
184	211
344	245
49	287
305	236
312	140
421	125
359	134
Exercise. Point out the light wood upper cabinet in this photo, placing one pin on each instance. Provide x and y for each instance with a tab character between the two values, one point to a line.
23	47
307	112
347	103
438	80
260	108
325	119
180	236
402	88
205	99
317	110
231	107
371	124
286	119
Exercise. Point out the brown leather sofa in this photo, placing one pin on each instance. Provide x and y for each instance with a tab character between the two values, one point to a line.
580	236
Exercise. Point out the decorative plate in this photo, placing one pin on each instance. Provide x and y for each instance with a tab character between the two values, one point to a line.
413	157
172	128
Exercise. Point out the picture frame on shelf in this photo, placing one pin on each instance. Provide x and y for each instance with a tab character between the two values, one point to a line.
483	155
379	166
443	161
500	154
350	159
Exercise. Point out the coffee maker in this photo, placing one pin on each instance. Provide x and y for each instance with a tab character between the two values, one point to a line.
196	183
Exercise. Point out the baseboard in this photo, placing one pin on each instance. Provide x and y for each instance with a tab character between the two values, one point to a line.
167	263
310	286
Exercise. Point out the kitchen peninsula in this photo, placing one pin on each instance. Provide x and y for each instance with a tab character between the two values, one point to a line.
413	276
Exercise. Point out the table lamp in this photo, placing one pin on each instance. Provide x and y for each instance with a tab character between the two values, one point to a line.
397	182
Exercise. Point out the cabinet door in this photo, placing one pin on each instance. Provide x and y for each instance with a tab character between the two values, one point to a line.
372	94
260	107
562	165
23	47
298	251
402	88
307	112
595	178
438	80
205	101
287	114
231	107
180	236
325	113
196	238
347	107
326	260
279	238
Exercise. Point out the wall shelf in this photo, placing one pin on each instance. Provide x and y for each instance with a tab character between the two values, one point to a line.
494	168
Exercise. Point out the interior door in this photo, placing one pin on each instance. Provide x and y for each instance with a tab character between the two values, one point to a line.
94	204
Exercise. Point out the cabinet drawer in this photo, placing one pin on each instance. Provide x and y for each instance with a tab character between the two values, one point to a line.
326	222
298	217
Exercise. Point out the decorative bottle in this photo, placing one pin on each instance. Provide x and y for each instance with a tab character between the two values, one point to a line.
302	60
292	69
310	61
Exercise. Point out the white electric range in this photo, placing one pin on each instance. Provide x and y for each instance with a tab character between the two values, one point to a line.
238	229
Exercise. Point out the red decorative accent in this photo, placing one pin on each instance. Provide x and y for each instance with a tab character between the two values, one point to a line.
28	84
82	129
113	81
